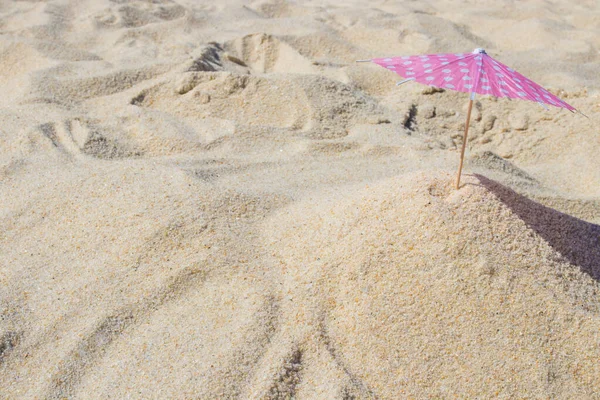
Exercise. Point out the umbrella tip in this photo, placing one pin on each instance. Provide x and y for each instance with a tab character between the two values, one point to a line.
479	50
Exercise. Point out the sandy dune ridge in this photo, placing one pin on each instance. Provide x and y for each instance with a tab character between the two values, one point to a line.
204	200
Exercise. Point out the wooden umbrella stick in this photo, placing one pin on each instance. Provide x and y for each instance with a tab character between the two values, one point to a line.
462	153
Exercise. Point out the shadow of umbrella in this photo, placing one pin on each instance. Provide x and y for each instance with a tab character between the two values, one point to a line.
576	240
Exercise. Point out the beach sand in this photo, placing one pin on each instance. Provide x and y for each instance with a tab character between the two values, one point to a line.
213	200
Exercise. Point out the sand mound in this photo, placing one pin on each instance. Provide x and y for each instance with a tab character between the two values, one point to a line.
315	106
474	293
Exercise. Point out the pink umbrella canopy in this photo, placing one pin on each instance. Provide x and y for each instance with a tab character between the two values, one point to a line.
474	72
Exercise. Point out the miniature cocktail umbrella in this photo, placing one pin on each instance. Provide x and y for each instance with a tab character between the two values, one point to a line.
473	73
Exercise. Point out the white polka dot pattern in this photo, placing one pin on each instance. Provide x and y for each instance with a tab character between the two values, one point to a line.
470	72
